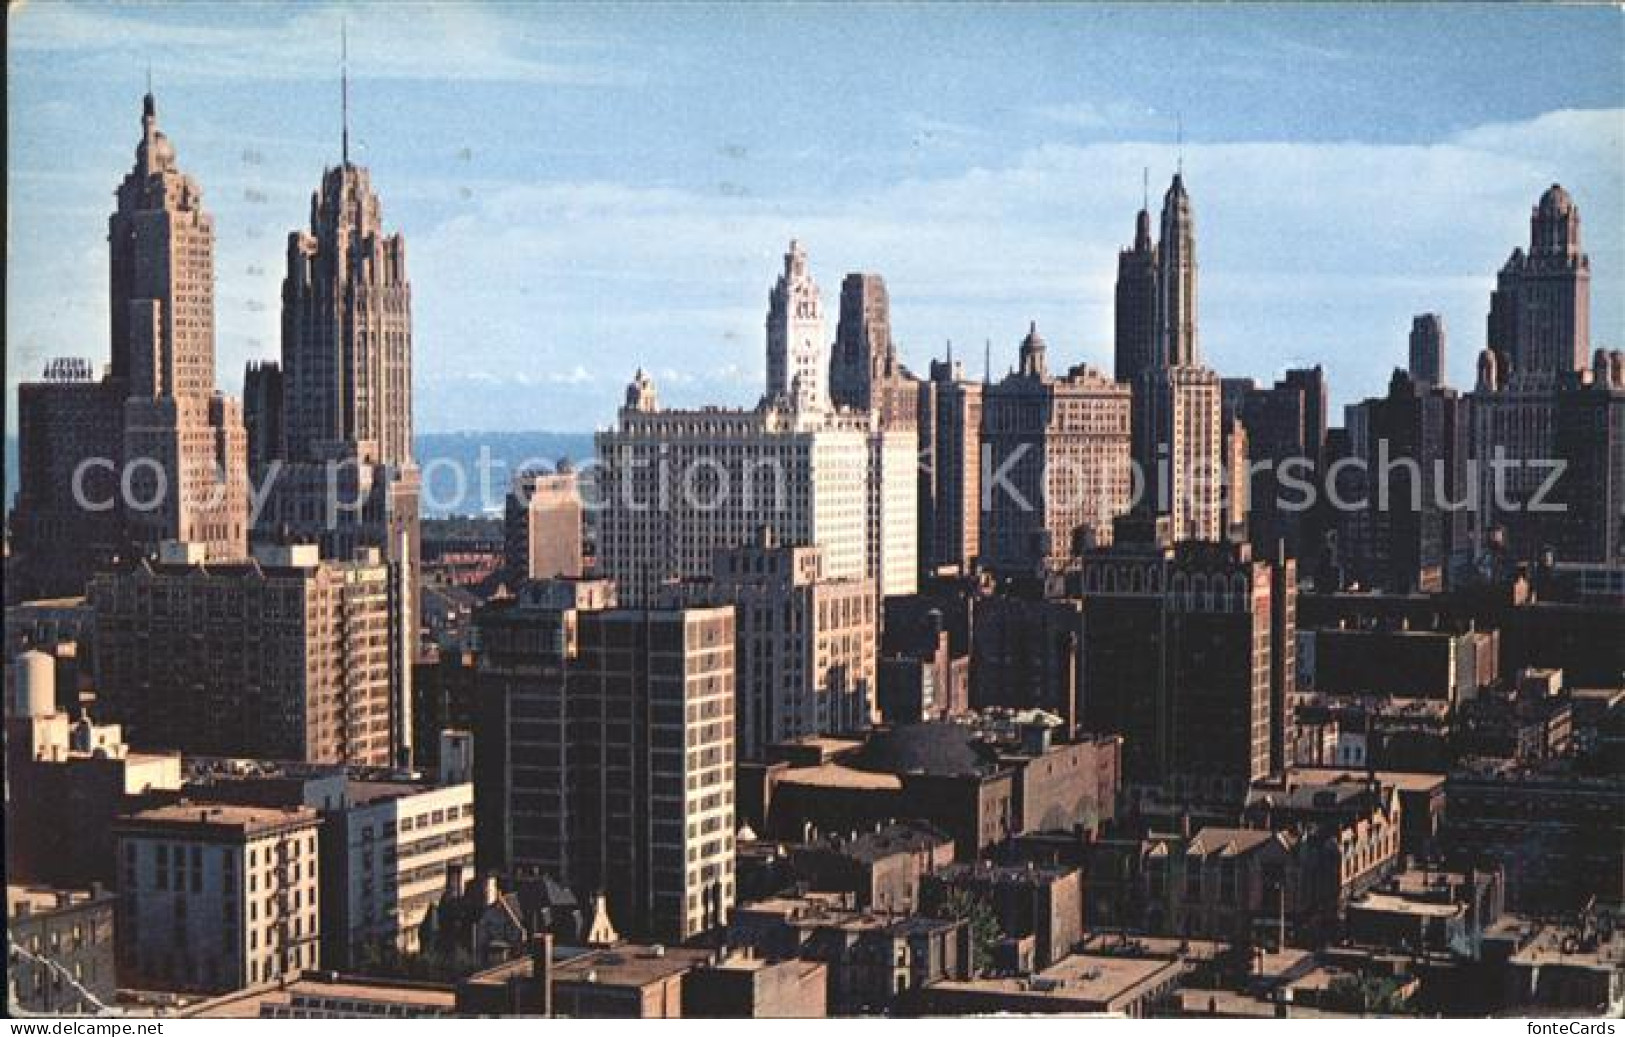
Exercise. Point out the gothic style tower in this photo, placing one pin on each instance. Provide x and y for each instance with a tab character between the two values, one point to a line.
347	328
161	243
1540	313
1136	339
1178	432
162	265
795	336
1176	281
864	352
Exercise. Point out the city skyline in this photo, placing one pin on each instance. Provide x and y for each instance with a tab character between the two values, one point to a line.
667	265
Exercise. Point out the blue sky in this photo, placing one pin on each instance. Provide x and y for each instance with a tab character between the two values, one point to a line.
589	189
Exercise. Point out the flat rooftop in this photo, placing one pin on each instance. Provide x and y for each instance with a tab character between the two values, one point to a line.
1099	980
630	965
221	815
1393	904
1405	781
834	775
42	899
310	989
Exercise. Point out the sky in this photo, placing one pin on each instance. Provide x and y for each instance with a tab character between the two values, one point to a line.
589	189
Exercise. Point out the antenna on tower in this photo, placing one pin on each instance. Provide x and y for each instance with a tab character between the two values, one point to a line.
344	86
149	79
1179	131
987	362
1145	188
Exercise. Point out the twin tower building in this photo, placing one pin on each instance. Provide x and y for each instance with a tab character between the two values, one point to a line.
152	454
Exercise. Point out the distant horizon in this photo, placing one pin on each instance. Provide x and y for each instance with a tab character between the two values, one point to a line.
589	190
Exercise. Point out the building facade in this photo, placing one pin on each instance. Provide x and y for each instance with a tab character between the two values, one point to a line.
950	509
613	732
216	898
543	530
1055	461
283	657
806	646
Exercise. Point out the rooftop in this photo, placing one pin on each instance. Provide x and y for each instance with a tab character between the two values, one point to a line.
246	819
1098	982
1391	903
41	899
630	965
1405	781
839	776
310	989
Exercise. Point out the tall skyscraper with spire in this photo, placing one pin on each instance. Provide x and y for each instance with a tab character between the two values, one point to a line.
346	480
161	242
1176	280
347	325
1178	427
796	354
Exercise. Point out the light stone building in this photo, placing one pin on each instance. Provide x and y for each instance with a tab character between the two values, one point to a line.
386	849
806	645
542	525
216	898
1055	462
797	351
676	486
184	442
1184	471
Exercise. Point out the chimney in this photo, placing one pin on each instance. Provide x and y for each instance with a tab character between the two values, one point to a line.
541	972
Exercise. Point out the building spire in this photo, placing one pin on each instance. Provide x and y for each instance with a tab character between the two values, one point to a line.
1179	139
344	88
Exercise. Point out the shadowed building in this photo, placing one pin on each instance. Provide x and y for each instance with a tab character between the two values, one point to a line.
609	736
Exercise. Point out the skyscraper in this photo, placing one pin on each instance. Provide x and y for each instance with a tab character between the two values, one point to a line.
1176	281
1539	337
184	443
950	467
1427	349
347	329
796	355
1136	314
1178	431
70	442
262	412
864	373
1182	655
348	481
613	732
1413	527
542	525
1540	312
1286	439
677	486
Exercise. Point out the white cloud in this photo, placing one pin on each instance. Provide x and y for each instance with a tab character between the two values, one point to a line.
1309	252
433	41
